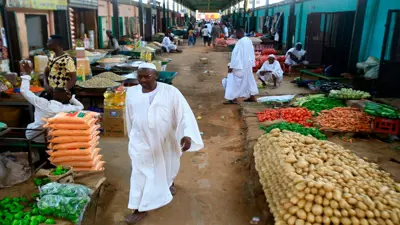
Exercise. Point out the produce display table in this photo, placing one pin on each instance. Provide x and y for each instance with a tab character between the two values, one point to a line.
320	76
17	100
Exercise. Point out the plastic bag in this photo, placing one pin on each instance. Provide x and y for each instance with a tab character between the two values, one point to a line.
80	117
70	158
74	152
63	207
65	190
73	145
74	164
72	126
98	167
70	139
89	131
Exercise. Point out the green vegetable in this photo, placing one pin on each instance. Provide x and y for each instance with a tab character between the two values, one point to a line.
59	171
296	128
381	110
322	103
49	221
348	93
40	182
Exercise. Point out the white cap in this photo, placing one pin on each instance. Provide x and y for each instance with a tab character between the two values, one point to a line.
146	65
272	56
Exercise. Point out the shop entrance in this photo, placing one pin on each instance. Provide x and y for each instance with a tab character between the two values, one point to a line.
328	39
36	26
389	69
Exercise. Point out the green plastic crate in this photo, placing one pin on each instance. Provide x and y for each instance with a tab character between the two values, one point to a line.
166	77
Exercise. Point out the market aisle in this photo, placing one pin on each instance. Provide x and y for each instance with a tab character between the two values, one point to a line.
211	183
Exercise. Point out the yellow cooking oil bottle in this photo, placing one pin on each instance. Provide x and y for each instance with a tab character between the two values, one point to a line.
109	98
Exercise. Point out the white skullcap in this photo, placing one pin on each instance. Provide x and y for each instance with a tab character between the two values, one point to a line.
146	65
299	43
272	56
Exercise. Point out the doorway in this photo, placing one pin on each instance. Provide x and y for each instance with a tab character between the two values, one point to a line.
328	39
37	33
389	70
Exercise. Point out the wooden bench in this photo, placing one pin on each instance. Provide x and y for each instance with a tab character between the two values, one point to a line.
320	76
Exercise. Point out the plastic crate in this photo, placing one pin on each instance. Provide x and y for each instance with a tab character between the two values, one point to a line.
386	126
166	77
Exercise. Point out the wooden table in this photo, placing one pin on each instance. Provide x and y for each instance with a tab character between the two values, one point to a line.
17	100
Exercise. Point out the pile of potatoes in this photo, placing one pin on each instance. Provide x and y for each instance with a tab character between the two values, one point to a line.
308	181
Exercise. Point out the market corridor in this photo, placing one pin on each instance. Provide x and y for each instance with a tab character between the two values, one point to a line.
211	183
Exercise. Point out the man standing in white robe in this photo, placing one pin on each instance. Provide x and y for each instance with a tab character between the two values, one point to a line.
240	80
270	70
161	126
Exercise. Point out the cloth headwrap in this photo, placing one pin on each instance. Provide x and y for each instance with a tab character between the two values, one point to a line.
299	43
272	56
146	65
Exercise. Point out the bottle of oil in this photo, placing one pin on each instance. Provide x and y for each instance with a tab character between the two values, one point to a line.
109	96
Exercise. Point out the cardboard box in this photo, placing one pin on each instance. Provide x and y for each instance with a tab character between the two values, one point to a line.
114	124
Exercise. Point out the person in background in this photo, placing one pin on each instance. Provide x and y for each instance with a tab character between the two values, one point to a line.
168	44
61	70
112	41
191	38
215	33
206	38
270	70
225	30
240	80
296	57
161	126
61	102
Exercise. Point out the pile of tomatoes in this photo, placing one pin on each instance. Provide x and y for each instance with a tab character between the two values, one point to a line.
293	115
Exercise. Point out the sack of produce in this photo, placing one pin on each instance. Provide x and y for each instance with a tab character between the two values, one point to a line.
65	190
74	152
74	164
63	207
69	139
69	158
71	126
98	167
74	145
80	117
61	132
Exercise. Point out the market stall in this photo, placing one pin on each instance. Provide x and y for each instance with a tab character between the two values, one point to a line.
348	117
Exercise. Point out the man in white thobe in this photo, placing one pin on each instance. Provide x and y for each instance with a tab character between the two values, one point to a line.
270	70
296	57
168	45
161	126
240	80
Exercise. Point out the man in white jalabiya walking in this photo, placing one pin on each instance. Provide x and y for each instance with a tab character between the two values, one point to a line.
160	126
240	80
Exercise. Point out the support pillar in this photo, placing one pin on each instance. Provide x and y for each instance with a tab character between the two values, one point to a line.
141	18
291	25
116	19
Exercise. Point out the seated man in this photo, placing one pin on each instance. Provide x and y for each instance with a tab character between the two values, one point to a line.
62	102
295	57
270	70
168	45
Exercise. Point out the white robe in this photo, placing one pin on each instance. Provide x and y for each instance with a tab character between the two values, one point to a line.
298	54
155	131
168	45
241	82
275	69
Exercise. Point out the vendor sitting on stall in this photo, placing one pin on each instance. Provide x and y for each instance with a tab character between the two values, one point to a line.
270	70
61	70
112	41
296	57
61	102
168	45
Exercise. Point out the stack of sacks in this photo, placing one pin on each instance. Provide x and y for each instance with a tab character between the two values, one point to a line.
74	137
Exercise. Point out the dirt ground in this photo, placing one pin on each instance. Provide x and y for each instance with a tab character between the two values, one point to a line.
211	183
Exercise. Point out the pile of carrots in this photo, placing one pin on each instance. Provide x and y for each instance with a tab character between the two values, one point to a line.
293	115
344	119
